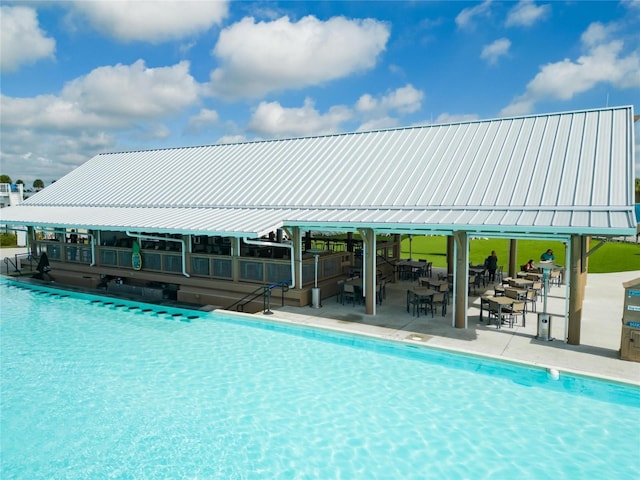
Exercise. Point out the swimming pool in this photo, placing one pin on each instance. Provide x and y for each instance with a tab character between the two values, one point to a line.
99	388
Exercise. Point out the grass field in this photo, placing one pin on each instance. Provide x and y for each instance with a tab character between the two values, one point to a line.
611	257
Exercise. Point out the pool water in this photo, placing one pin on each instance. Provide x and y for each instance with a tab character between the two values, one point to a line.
107	390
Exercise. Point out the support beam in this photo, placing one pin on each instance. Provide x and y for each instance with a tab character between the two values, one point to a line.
397	245
513	258
461	276
450	256
577	280
296	238
235	255
31	241
369	265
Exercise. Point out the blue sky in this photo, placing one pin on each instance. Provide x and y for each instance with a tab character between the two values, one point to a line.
86	77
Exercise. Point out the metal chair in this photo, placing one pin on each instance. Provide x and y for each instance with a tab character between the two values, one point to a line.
380	291
515	310
349	293
472	283
441	298
425	302
340	295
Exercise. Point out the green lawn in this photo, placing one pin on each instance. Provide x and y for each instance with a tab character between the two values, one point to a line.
612	257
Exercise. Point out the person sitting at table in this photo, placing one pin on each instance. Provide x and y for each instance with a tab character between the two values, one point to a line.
529	266
491	264
547	256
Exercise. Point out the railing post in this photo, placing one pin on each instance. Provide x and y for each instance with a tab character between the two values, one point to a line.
266	299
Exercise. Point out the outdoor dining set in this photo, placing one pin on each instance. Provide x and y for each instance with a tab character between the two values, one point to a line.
511	299
427	295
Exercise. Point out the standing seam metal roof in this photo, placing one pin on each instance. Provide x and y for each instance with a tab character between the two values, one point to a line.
555	173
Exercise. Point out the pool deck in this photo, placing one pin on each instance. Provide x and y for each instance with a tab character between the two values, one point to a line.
597	355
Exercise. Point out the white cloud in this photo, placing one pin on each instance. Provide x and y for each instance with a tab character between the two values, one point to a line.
152	21
273	120
108	97
456	117
49	156
526	13
466	18
203	119
402	100
492	52
22	42
257	58
632	5
84	118
603	62
597	33
233	139
379	123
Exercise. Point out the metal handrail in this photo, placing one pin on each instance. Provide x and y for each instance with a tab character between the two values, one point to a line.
263	291
14	263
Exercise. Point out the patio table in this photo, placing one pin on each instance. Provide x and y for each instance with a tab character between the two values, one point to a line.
415	295
499	302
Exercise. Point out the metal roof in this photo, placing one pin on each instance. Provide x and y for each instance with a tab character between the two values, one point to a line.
557	173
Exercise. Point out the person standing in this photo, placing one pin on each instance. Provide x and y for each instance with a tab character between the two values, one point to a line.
548	256
491	263
73	250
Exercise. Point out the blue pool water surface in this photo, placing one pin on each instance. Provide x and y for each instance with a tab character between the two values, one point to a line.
93	390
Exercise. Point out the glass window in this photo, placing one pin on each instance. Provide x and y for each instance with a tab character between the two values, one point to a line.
252	271
199	266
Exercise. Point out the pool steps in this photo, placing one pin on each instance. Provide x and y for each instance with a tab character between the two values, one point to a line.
171	315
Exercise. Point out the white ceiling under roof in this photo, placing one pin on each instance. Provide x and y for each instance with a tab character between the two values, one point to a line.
558	173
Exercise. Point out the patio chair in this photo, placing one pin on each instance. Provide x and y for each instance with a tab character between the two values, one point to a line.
478	279
445	288
349	293
380	291
425	302
513	311
537	287
441	298
531	298
472	283
340	295
499	290
555	278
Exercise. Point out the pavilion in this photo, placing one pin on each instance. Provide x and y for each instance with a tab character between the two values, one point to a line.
563	176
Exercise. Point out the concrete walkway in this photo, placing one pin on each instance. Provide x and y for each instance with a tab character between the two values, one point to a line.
597	355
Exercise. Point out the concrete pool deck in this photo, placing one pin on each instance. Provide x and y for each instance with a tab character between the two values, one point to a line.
597	355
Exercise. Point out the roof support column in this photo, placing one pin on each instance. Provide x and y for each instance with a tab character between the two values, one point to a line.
450	255
461	279
370	265
296	238
397	246
235	255
31	241
513	257
577	281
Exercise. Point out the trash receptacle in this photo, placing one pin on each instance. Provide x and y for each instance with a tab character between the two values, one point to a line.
544	327
315	297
